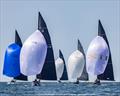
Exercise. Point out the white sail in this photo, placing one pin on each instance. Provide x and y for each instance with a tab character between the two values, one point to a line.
97	56
59	68
33	54
75	66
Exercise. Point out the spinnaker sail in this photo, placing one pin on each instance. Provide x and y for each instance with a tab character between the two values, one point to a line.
59	68
97	56
33	53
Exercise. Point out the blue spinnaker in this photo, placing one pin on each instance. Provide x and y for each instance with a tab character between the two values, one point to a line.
11	61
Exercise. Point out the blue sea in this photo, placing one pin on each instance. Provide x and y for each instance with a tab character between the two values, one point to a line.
60	89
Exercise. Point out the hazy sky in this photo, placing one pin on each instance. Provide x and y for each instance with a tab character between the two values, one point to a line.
66	20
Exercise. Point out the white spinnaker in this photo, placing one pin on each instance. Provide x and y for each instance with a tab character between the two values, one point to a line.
75	65
33	54
97	56
59	64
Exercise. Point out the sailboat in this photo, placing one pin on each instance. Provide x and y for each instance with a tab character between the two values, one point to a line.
64	75
108	73
11	61
61	70
76	63
98	56
48	70
33	54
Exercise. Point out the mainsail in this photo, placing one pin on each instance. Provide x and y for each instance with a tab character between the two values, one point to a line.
108	73
19	42
64	75
11	62
48	71
84	75
75	65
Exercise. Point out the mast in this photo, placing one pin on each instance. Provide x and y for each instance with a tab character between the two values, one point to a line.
84	75
19	42
108	73
64	75
48	71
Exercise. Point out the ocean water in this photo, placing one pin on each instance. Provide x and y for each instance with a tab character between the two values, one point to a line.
60	89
